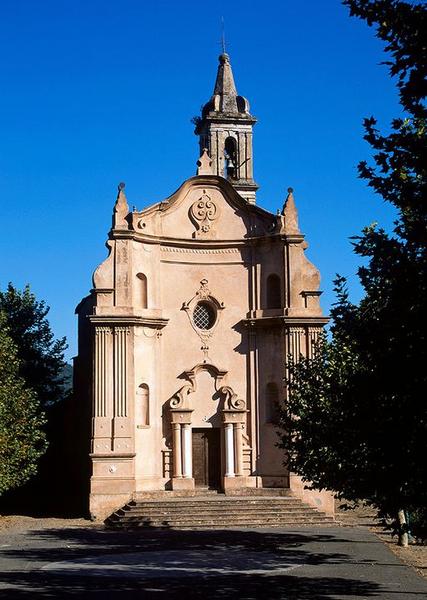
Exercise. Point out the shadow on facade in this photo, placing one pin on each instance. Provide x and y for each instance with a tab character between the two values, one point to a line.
159	563
61	486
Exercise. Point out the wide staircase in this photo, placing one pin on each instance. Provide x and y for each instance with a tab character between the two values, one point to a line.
217	511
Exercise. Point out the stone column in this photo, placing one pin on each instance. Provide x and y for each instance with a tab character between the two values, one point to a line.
238	449
229	450
177	450
234	478
187	453
182	475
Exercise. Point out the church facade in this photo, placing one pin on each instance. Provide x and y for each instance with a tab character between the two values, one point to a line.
184	338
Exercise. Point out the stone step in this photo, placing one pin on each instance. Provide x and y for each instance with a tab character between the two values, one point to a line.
216	512
213	518
218	502
210	518
215	524
213	506
206	518
212	493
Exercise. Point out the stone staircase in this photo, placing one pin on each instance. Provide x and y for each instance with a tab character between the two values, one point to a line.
217	512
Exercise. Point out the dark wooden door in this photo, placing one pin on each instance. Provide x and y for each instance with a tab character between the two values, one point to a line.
206	458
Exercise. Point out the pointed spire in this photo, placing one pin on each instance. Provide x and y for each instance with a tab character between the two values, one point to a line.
121	209
204	164
225	87
290	214
225	128
224	99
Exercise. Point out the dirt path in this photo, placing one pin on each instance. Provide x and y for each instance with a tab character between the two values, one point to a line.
415	555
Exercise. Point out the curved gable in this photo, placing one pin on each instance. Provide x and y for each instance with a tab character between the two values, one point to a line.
205	208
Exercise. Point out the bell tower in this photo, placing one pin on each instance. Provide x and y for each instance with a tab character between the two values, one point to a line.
225	130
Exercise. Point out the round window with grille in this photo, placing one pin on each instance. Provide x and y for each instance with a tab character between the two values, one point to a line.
204	315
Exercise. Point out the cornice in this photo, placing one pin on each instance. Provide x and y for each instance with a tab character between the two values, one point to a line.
206	244
213	117
112	456
286	322
154	322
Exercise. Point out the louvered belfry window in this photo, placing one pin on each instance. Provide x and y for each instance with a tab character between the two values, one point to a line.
204	315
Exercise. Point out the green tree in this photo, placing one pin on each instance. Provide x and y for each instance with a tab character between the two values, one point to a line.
22	440
356	417
41	356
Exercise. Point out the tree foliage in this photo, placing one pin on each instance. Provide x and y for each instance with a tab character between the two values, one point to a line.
22	440
41	356
356	418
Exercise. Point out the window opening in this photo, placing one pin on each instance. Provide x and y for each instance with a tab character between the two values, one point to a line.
204	315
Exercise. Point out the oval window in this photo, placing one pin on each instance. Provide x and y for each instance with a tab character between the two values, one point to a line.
204	315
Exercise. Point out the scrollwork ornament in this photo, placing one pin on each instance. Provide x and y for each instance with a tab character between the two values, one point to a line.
178	399
231	400
204	211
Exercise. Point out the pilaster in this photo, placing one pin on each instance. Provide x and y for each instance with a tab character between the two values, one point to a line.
113	476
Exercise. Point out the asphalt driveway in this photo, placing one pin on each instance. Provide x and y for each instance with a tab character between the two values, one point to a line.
329	563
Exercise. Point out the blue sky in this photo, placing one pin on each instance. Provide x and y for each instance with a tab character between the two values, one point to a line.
97	92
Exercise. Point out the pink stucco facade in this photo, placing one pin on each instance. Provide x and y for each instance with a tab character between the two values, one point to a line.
184	338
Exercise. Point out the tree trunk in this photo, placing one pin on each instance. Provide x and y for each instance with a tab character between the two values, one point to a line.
403	530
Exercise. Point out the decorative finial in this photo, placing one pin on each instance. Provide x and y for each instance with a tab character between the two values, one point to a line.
290	214
121	209
204	164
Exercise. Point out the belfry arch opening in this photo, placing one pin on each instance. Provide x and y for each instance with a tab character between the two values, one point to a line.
230	157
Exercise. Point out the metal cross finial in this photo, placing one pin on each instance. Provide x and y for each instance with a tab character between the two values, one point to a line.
222	35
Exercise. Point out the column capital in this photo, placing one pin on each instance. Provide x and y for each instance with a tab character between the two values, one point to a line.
181	415
233	416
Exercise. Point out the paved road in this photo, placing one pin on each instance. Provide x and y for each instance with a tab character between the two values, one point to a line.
316	563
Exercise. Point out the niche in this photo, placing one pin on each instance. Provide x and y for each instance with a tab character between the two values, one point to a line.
274	299
272	404
142	408
141	297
